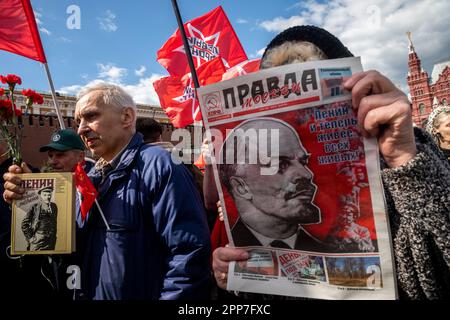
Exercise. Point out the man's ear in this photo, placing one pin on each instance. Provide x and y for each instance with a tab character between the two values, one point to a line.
240	188
128	116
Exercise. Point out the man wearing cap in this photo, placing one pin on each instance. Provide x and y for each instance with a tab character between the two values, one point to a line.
39	224
65	150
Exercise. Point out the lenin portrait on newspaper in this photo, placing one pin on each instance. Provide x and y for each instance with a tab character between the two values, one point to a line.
276	197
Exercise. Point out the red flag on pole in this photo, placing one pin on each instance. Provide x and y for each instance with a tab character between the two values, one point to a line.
177	94
86	189
209	36
18	30
242	68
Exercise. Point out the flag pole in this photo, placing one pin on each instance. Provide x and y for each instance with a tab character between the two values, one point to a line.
52	88
187	48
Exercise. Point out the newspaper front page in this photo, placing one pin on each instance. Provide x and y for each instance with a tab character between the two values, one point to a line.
300	187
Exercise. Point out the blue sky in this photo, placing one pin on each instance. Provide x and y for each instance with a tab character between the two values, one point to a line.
118	40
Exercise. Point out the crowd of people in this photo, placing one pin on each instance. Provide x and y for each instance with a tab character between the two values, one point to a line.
155	241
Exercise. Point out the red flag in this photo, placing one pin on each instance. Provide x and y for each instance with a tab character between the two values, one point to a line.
209	36
242	68
86	188
200	162
18	30
177	94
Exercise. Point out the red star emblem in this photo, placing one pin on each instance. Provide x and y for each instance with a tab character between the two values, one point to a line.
210	50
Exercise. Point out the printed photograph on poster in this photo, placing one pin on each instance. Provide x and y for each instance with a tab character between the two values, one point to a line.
262	262
354	271
43	221
296	265
332	81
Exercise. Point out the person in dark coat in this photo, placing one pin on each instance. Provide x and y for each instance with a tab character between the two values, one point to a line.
40	223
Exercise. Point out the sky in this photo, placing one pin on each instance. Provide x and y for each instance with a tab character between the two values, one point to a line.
117	40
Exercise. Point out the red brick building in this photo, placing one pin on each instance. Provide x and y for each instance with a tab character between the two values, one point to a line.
426	92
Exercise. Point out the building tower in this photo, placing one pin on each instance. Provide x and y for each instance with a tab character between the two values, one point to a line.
419	87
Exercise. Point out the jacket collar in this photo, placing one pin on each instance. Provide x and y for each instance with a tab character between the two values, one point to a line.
126	158
130	151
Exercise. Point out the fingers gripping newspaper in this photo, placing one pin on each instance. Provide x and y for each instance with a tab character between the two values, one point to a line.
300	187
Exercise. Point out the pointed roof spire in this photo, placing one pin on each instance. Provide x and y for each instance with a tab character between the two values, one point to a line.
435	101
411	46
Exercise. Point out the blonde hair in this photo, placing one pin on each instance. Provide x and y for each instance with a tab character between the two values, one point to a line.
434	121
292	52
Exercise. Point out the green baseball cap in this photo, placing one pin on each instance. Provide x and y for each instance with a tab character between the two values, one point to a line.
63	140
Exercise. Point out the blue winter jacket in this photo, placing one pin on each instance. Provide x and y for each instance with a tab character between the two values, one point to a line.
158	246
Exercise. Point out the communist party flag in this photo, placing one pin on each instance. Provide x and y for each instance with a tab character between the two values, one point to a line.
18	30
209	36
86	189
242	68
177	94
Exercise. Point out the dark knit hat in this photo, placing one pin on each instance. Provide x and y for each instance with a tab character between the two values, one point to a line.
329	44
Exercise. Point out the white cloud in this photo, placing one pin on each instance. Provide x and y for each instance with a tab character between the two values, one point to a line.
258	53
46	31
38	18
107	23
241	21
140	72
294	6
64	39
376	31
111	73
142	92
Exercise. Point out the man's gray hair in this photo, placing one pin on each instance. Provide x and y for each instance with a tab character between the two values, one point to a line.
111	94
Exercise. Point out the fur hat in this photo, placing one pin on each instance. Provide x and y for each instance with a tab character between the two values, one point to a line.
329	44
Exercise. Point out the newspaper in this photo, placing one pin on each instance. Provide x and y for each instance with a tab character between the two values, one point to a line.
300	187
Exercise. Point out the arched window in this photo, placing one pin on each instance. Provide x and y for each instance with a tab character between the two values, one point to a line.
421	108
444	101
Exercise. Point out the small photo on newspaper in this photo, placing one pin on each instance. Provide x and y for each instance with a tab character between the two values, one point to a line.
300	187
43	221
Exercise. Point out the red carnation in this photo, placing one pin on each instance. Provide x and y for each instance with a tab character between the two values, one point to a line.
2	91
39	99
10	130
27	92
11	80
6	106
32	97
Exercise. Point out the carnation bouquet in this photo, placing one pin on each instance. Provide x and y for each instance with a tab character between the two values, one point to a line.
10	129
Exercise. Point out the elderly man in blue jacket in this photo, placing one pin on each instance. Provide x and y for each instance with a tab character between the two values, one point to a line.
153	242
